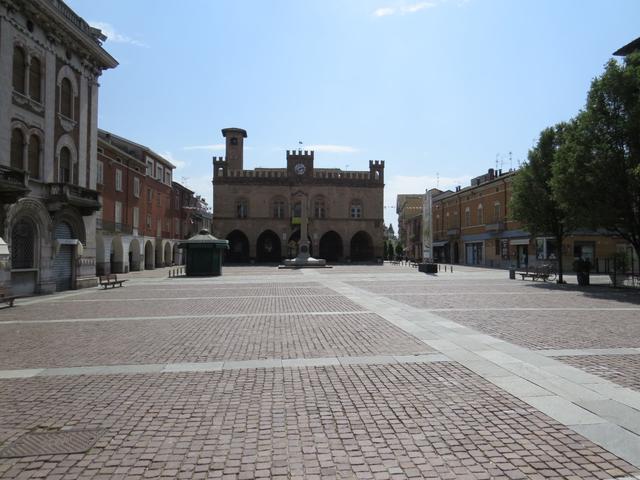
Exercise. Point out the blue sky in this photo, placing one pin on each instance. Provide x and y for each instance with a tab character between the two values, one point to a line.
438	88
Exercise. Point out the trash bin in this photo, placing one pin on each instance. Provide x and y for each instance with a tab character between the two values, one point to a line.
512	273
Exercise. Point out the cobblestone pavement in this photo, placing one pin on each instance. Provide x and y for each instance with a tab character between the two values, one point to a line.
465	415
621	369
433	421
201	340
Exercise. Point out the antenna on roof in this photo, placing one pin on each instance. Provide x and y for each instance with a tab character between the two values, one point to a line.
510	162
437	180
497	157
184	180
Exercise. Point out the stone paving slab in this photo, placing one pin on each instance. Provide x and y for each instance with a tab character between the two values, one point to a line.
183	340
361	421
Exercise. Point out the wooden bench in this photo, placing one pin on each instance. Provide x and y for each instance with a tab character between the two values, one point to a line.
110	280
5	297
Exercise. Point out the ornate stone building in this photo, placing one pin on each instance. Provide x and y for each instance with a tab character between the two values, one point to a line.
259	211
50	61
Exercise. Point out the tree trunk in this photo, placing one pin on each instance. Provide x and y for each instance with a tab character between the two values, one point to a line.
559	238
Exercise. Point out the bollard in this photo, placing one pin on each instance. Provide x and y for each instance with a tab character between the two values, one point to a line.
451	268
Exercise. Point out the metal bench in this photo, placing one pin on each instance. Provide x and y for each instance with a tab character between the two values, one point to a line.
110	280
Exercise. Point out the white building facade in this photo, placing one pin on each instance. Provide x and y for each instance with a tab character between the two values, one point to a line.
50	62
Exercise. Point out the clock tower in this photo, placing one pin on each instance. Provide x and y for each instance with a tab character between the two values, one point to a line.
300	164
234	147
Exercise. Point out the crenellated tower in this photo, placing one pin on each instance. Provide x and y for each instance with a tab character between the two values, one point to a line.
376	170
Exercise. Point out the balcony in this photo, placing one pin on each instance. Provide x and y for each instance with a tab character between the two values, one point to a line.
498	226
116	227
64	194
13	184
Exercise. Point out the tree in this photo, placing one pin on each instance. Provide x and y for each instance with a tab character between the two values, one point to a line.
391	231
399	250
385	251
533	202
597	176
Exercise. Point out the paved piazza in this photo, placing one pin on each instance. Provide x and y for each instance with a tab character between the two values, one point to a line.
367	372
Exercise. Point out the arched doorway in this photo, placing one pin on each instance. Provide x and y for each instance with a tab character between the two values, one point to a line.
168	257
361	247
268	247
292	249
238	247
331	246
24	252
102	266
63	262
134	255
116	258
149	258
159	253
177	257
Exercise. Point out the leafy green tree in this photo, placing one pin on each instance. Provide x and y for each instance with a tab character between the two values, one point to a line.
385	251
399	250
533	202
597	176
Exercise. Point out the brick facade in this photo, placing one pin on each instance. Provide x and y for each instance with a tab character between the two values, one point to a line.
259	210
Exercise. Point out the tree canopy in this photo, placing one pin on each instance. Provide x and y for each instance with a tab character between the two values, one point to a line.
533	201
597	176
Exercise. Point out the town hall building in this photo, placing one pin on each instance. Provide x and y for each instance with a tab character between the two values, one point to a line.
260	210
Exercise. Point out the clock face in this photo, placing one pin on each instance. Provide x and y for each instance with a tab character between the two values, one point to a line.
299	169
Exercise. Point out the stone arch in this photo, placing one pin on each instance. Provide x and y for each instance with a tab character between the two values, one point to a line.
268	247
238	247
116	256
67	141
149	257
102	266
176	255
134	255
361	247
28	282
159	254
71	216
168	254
331	246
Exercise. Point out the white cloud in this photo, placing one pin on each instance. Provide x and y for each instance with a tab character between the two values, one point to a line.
403	9
115	36
212	148
383	12
172	159
332	148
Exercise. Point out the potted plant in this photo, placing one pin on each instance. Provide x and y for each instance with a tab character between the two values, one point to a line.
618	273
582	267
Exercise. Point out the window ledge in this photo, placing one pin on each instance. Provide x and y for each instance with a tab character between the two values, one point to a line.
67	123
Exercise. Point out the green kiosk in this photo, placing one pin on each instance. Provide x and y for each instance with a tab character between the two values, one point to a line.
204	254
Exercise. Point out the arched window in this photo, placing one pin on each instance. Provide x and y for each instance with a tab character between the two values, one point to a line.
480	214
496	212
242	208
17	149
66	98
34	157
278	208
35	75
65	165
319	208
19	67
467	216
355	211
297	210
23	238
